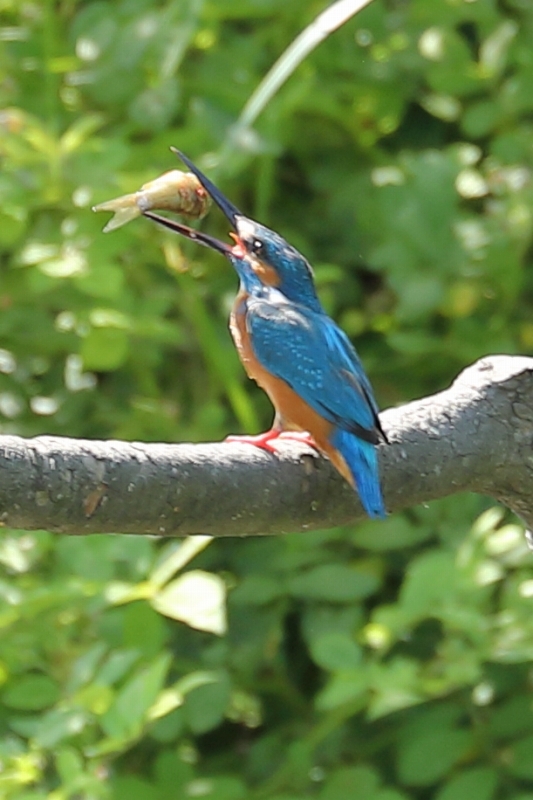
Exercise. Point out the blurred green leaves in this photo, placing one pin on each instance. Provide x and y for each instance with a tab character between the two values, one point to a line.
384	663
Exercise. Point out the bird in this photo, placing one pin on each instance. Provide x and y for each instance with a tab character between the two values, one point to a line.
297	354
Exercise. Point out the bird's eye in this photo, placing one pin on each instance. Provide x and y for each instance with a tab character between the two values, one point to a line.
258	247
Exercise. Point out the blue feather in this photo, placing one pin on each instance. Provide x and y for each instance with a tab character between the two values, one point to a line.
362	459
307	350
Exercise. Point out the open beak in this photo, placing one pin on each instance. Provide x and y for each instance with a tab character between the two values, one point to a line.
191	233
225	205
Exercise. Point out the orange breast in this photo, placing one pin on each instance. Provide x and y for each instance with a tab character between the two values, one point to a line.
293	412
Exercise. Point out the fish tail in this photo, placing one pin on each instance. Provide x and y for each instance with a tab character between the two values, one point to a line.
362	461
125	209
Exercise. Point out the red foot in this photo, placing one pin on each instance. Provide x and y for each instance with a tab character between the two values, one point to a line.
262	440
299	436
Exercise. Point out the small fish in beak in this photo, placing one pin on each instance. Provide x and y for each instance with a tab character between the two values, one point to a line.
177	191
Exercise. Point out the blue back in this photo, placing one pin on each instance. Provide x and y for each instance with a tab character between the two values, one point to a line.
296	285
307	350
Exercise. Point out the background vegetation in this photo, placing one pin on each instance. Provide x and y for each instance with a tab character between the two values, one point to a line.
383	662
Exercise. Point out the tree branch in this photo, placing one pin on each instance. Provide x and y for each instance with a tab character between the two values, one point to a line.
475	436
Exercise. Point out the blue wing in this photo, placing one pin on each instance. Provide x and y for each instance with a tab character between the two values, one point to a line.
309	352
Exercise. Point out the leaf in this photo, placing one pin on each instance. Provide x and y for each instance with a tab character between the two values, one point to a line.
343	688
168	701
94	698
334	582
423	759
493	53
394	686
197	598
351	783
178	558
335	651
101	280
430	582
31	693
480	783
104	349
131	787
83	668
512	717
69	764
115	666
393	533
223	787
520	762
80	130
206	705
173	697
257	590
58	725
125	717
118	593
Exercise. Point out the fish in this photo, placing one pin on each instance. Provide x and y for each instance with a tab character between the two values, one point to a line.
177	191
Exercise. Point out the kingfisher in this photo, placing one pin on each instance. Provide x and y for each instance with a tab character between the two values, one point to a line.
289	345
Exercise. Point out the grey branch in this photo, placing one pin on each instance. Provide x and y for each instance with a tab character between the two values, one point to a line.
475	436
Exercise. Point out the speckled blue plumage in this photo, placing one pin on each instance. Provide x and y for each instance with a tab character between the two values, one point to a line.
307	350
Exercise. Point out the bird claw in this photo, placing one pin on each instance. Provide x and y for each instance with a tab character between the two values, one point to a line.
266	441
303	437
262	440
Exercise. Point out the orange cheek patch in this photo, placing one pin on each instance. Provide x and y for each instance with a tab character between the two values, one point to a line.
266	274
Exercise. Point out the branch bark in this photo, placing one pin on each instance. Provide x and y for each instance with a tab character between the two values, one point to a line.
475	436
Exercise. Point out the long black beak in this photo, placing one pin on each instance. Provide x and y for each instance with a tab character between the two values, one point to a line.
225	205
190	233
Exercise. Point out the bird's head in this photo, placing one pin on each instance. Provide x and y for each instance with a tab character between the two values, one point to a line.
273	260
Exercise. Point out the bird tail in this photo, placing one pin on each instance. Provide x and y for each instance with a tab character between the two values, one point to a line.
362	460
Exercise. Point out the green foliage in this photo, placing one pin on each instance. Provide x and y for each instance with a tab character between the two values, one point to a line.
385	662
